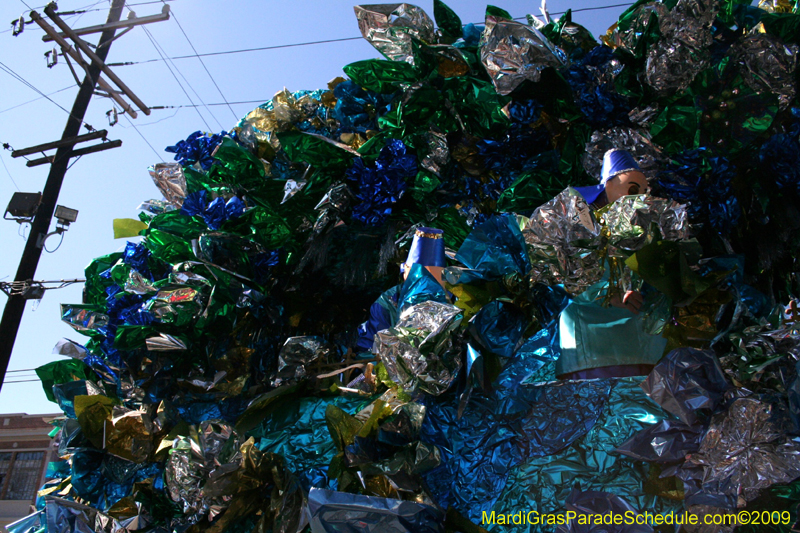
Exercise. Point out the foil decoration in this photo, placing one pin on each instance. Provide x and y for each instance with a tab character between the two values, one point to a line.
561	235
636	27
513	52
156	207
745	450
295	356
164	343
635	141
689	383
392	29
28	524
292	187
64	516
437	152
683	51
69	348
215	435
767	65
644	116
184	476
599	503
776	6
168	305
170	180
83	319
138	284
419	353
340	512
635	221
669	441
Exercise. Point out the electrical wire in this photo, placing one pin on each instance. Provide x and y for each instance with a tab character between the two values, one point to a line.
175	18
143	137
37	28
326	41
9	173
191	87
160	49
37	99
8	70
153	41
44	246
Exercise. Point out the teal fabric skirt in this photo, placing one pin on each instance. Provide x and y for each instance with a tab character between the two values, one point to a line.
593	336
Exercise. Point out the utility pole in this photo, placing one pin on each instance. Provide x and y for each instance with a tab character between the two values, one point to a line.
15	306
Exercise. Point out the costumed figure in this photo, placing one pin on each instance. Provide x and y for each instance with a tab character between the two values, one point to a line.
597	341
427	250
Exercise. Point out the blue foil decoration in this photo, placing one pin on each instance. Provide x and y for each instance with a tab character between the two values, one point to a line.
779	159
214	215
197	148
30	524
703	182
342	512
498	327
357	110
420	286
297	430
602	106
234	208
495	248
380	187
136	256
497	433
263	264
689	383
194	204
544	483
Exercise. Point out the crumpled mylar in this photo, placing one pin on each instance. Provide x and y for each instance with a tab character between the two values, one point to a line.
340	512
513	52
563	236
419	351
688	383
392	29
170	180
745	450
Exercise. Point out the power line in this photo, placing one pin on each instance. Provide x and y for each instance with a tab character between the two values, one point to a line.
37	99
326	41
9	173
153	41
8	70
204	66
237	51
37	28
156	108
143	137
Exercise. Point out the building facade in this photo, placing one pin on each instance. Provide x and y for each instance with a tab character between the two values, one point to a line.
25	450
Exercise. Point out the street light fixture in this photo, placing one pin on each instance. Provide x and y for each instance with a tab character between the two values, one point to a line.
23	206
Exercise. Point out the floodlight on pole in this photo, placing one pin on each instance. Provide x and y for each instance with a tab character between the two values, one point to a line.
23	206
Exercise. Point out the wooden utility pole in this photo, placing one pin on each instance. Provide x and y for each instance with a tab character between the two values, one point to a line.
15	306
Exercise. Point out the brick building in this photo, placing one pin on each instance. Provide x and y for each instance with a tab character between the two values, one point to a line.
25	450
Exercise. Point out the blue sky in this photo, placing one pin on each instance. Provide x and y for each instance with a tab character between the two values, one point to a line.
112	184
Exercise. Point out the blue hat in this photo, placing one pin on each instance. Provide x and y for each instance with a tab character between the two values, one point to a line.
591	193
427	248
615	162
